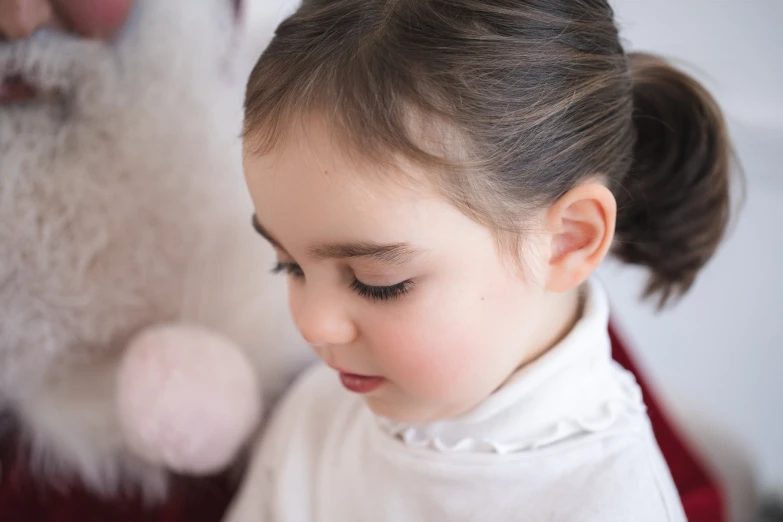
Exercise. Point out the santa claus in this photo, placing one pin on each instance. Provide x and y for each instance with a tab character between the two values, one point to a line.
124	223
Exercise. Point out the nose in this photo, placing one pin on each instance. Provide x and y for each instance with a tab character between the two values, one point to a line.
98	19
322	321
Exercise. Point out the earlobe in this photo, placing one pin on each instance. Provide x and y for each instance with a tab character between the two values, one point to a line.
581	226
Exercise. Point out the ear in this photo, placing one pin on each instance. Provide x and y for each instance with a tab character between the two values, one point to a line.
581	226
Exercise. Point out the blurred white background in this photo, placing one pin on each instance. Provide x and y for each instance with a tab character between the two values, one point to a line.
719	351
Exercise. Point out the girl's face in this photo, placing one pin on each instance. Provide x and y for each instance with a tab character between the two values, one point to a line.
405	297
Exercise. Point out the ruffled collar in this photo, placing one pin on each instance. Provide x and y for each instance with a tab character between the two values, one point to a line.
572	389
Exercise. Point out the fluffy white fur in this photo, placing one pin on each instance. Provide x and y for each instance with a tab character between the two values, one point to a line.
122	207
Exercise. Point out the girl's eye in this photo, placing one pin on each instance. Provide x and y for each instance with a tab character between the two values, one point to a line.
381	293
291	269
373	293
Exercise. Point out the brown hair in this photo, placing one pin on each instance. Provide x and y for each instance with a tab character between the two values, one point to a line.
539	93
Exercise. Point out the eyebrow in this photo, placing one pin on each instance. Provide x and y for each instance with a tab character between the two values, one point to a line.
393	253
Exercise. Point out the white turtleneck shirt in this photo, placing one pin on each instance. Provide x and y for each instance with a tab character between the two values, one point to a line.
567	438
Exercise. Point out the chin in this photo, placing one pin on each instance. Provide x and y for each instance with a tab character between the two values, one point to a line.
386	410
399	412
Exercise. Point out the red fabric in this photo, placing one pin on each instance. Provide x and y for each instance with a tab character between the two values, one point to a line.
22	500
701	497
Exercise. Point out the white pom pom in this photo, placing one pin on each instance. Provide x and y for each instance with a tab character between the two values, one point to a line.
187	398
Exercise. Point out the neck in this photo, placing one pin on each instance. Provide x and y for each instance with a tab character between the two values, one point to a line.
562	312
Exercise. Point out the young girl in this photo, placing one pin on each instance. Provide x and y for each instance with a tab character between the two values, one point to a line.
439	179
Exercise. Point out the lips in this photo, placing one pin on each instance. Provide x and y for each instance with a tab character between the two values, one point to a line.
15	89
361	383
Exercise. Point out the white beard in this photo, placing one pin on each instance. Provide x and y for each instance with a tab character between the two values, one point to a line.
121	206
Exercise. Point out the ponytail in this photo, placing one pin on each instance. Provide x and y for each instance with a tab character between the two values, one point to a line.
673	206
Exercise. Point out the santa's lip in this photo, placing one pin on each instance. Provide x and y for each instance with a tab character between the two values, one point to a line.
14	89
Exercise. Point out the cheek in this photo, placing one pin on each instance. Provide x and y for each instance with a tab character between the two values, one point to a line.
96	18
429	362
458	346
432	351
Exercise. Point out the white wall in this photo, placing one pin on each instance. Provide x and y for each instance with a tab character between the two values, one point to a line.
720	349
264	15
734	44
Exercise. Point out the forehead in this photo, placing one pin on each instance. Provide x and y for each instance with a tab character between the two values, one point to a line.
310	187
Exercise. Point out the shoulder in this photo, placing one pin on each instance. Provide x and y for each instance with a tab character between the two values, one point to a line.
288	444
318	388
308	405
315	389
625	478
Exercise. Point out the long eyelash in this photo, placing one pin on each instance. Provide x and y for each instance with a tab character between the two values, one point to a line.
373	293
381	293
291	269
